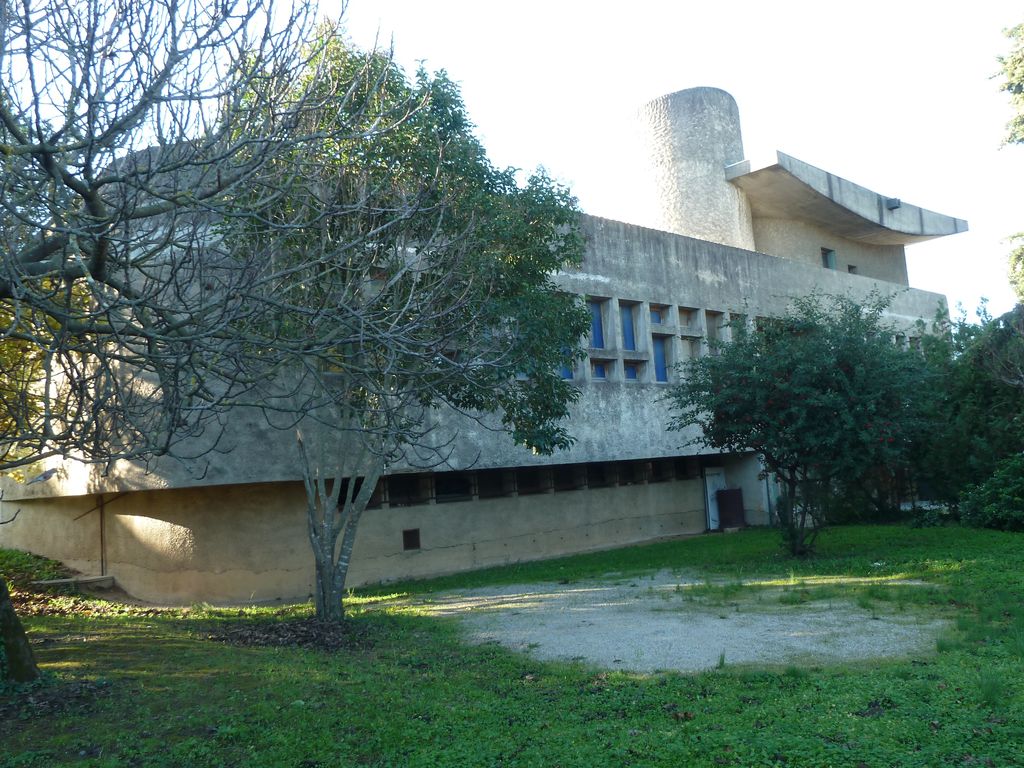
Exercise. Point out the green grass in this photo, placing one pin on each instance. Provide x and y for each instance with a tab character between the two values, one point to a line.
156	693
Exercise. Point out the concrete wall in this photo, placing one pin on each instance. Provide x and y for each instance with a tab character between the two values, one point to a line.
802	242
230	526
249	543
613	420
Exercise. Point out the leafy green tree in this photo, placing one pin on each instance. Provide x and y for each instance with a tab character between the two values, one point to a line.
823	394
406	287
1013	73
979	402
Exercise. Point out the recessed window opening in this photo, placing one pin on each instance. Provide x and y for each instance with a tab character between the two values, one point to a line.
375	499
828	258
531	480
632	472
660	358
565	477
490	484
600	475
659	314
453	486
596	323
687	467
688	318
598	370
715	320
628	326
410	539
662	470
631	371
408	490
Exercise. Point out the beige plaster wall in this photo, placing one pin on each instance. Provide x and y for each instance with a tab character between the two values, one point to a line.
802	241
64	529
248	542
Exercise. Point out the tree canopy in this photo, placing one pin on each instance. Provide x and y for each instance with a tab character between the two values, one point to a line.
1012	65
823	394
401	274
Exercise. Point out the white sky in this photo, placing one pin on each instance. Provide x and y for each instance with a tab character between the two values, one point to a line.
899	96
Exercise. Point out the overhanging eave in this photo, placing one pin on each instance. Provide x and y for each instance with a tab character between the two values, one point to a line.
793	189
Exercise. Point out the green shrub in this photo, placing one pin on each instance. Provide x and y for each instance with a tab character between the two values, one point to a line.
999	501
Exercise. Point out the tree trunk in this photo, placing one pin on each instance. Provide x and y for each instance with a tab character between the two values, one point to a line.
20	664
330	590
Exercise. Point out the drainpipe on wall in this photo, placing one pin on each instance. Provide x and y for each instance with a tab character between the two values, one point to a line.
103	537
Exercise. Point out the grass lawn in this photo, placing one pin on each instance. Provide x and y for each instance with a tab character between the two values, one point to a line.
128	687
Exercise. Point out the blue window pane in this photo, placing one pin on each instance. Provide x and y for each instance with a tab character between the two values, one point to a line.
631	371
566	372
628	334
596	325
656	316
598	371
660	363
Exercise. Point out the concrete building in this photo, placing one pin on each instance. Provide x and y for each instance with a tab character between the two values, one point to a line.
736	243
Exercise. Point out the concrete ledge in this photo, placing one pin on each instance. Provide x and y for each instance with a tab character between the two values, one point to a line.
76	581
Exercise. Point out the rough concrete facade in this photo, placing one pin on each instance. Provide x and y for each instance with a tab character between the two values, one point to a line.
231	527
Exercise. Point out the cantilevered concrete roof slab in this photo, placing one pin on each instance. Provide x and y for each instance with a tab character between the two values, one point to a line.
793	189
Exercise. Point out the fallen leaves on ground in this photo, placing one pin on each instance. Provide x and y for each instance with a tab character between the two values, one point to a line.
49	697
32	602
303	633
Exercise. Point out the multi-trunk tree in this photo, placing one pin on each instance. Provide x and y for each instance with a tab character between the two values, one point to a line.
406	289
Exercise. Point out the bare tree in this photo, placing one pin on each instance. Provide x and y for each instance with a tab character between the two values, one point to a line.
128	130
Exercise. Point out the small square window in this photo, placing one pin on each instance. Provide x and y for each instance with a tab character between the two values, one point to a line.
411	539
491	483
598	370
600	475
566	477
532	480
631	371
851	268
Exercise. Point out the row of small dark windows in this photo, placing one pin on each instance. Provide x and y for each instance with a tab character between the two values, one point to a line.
406	490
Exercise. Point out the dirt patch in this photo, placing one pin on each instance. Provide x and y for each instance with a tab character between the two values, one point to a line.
654	623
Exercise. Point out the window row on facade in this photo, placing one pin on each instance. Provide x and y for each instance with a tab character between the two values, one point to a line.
406	490
642	341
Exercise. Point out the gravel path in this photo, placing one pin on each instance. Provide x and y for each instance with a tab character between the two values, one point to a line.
648	624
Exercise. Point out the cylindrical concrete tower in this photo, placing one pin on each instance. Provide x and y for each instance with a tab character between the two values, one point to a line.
692	136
